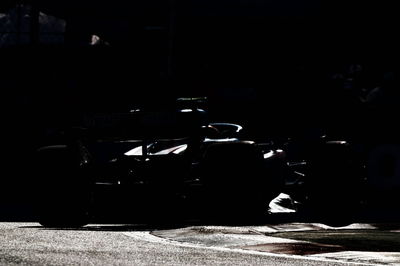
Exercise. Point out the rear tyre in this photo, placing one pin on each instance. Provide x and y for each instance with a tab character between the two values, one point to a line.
63	189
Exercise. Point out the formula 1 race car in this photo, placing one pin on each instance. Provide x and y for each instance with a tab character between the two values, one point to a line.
159	164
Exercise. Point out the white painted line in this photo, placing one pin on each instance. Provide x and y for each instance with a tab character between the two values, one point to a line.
147	236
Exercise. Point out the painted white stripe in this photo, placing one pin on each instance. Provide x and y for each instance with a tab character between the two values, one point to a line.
147	236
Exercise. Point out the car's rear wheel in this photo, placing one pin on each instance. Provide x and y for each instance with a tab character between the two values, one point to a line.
63	192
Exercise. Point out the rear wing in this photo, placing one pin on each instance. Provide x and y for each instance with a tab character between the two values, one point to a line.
141	125
192	103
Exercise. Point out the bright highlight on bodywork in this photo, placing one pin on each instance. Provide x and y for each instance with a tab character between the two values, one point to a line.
138	151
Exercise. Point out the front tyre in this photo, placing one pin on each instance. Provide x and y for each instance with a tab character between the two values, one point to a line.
236	186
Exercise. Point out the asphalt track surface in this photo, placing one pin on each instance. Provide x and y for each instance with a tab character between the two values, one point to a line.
31	244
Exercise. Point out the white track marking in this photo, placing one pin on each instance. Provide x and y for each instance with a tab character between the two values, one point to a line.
147	236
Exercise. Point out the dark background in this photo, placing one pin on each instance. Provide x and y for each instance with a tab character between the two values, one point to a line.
266	64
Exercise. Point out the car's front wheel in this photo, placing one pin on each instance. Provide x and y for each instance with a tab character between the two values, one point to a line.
236	188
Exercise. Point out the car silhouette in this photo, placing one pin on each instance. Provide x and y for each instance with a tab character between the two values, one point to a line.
168	163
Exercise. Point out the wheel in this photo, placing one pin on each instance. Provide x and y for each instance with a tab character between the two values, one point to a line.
63	189
235	184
